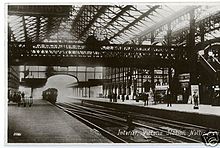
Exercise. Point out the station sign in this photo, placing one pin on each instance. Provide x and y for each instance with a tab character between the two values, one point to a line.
194	90
183	78
158	71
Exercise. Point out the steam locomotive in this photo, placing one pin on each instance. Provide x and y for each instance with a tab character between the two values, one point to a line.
50	95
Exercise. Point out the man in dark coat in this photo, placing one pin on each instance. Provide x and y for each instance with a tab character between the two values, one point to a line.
169	98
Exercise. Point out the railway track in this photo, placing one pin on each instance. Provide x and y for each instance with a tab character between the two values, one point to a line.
174	127
127	127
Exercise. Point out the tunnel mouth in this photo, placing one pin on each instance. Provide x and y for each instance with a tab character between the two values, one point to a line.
61	83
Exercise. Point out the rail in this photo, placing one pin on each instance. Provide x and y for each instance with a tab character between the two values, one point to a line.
99	114
103	131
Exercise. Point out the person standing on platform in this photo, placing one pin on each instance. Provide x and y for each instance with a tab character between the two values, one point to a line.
23	98
153	93
127	97
123	97
110	97
10	96
115	97
30	101
169	98
145	97
196	100
118	96
157	82
18	98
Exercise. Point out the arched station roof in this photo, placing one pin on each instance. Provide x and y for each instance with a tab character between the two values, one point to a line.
120	24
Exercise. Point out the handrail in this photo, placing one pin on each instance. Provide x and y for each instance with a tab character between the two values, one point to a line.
209	65
216	60
212	56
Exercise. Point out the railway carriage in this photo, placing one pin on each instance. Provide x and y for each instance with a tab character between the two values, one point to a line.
50	95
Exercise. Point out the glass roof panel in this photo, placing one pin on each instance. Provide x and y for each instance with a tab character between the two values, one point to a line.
120	22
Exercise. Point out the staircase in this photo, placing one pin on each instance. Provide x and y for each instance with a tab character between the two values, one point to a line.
209	70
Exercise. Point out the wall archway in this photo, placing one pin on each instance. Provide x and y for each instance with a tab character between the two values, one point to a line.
61	82
63	73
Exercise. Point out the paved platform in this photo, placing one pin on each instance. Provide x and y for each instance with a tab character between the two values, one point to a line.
45	123
203	109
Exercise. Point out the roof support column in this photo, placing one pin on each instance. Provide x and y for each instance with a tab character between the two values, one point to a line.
115	87
123	81
89	91
202	36
202	33
169	44
152	68
25	29
192	50
111	77
85	81
119	82
142	81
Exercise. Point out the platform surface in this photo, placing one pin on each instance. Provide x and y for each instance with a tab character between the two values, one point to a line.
45	123
203	109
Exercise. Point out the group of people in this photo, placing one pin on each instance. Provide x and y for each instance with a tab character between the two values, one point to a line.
145	97
113	97
14	96
19	98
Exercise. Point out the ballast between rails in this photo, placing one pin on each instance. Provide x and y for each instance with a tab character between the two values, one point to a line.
103	131
160	130
95	116
171	138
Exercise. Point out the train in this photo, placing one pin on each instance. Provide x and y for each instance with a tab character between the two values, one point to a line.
50	95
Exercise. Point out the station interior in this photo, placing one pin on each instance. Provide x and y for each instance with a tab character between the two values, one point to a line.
119	52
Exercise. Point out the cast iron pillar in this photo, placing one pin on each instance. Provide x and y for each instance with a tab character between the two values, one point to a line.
152	68
169	44
192	50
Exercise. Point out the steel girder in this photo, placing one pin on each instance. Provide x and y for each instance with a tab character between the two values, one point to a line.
35	28
11	36
160	25
146	14
44	21
34	18
87	15
25	30
38	29
202	45
39	10
123	10
110	55
208	23
95	17
53	24
81	24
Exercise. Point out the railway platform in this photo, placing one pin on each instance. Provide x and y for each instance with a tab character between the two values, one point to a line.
206	115
45	123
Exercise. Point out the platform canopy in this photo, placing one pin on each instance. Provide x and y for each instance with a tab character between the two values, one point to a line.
119	24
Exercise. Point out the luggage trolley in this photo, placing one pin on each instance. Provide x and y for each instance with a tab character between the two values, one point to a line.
28	101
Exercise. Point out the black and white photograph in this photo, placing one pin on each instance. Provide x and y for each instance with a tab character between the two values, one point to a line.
114	73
